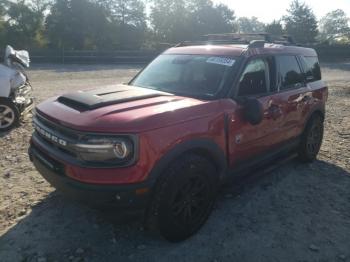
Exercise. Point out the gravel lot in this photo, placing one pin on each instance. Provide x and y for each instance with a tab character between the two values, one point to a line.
296	212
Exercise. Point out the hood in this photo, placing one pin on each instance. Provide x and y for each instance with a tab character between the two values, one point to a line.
123	109
19	56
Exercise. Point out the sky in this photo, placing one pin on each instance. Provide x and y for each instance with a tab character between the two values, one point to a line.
268	10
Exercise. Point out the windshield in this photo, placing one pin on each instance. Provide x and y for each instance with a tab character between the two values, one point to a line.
192	75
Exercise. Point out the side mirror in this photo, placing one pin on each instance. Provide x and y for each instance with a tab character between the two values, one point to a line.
253	111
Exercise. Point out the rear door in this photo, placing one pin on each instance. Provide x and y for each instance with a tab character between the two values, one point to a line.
293	95
246	141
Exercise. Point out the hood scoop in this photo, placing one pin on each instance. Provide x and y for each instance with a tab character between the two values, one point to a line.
90	100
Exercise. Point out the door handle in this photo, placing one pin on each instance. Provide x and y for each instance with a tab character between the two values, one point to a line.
306	98
274	112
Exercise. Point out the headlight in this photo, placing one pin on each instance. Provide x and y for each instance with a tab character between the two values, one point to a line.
106	150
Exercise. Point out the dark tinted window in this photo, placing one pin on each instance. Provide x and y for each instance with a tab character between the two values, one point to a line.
253	79
289	71
312	70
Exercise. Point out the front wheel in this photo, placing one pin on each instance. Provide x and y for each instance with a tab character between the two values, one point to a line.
185	196
311	139
9	115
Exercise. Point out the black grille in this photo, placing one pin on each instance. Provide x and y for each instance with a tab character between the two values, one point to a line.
44	127
66	132
49	135
63	150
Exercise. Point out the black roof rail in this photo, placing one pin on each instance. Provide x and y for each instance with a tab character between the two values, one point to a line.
282	39
257	44
269	38
253	40
230	36
212	42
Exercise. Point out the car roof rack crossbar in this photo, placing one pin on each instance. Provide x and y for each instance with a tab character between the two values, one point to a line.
212	42
253	40
248	37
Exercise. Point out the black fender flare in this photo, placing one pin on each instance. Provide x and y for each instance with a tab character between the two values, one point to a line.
202	146
317	110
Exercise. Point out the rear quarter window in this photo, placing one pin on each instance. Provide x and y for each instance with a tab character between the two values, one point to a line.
312	68
290	75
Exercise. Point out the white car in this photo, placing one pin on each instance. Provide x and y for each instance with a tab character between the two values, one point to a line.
15	90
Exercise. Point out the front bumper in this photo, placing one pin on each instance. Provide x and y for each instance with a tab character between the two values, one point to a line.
23	99
122	198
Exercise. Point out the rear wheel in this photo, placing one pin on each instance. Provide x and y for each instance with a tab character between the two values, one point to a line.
311	140
184	197
9	115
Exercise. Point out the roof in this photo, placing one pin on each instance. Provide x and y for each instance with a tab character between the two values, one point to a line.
238	50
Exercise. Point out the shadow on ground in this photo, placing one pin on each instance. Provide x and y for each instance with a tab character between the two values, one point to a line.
295	213
6	133
3	134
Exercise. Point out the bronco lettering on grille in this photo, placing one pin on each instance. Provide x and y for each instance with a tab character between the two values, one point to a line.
50	136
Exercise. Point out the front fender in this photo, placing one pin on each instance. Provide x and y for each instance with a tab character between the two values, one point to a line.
5	89
201	145
6	74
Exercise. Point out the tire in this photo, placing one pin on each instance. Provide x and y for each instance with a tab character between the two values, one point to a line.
9	115
184	197
311	139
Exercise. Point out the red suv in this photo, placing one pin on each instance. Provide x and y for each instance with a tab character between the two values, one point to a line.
196	116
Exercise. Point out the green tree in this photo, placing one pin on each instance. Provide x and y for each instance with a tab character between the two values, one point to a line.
207	18
2	24
58	27
40	6
130	17
334	25
301	22
174	21
168	19
250	25
131	12
274	28
79	24
3	7
2	34
23	24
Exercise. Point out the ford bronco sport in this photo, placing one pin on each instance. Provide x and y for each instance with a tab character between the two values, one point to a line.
200	113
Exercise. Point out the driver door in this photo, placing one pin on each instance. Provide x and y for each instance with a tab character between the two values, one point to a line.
247	141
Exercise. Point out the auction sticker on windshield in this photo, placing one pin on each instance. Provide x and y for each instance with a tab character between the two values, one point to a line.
221	61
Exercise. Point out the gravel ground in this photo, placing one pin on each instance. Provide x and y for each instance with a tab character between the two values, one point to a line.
297	212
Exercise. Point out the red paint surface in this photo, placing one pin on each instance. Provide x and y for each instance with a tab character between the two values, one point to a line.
161	127
163	122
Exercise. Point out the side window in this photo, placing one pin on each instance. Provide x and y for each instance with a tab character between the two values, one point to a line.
254	78
312	68
289	72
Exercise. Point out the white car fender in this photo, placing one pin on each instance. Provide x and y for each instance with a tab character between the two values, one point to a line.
9	79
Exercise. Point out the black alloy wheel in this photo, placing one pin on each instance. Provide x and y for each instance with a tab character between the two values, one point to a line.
184	197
